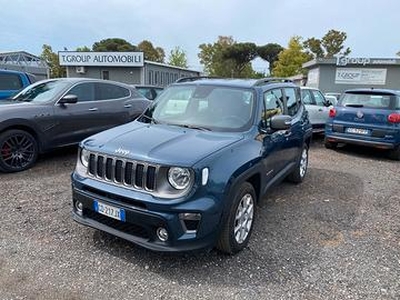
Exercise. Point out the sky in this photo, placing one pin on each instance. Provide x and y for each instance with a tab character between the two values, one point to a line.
372	26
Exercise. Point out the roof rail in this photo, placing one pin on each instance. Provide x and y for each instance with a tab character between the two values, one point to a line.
194	78
271	80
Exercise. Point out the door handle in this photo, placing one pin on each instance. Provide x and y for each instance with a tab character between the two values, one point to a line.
320	109
287	133
128	105
93	109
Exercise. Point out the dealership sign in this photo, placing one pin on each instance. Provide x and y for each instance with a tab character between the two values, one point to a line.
344	61
110	59
360	76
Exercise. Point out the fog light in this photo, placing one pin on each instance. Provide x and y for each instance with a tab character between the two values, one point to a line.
79	206
162	234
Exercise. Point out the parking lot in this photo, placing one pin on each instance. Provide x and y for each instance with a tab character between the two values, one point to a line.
335	236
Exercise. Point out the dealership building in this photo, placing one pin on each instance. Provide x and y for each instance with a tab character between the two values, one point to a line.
127	67
343	73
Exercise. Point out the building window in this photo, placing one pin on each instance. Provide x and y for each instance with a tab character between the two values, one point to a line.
150	79
105	75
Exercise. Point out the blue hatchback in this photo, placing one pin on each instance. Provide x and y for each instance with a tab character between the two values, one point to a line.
367	117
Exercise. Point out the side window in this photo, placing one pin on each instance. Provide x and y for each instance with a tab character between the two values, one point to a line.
272	103
306	97
84	92
292	100
107	91
10	82
319	98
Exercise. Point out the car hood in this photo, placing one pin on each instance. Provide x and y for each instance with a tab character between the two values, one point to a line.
160	144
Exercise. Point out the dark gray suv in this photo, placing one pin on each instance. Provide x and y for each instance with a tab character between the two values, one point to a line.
60	112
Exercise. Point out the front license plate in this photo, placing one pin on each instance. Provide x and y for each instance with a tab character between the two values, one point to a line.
357	131
109	211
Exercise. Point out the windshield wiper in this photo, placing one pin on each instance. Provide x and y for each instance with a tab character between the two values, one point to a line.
354	105
153	121
194	127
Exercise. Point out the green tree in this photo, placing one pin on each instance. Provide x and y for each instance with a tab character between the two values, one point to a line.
177	57
241	54
270	52
83	49
53	62
211	57
113	44
314	47
151	53
332	43
215	60
290	60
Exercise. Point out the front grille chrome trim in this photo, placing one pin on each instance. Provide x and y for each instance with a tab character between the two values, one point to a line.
101	165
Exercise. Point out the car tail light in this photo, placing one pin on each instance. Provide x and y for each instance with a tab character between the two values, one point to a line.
332	113
394	118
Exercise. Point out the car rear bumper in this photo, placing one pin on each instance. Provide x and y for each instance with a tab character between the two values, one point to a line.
141	224
358	141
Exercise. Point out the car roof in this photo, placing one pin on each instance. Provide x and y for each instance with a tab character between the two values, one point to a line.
374	91
235	82
10	71
77	79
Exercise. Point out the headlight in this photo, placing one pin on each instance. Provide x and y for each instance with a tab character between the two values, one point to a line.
85	157
179	178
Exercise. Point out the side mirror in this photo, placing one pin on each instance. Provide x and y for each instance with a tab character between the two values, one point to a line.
68	99
281	122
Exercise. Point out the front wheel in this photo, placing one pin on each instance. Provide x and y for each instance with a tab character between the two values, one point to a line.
237	229
18	150
300	170
395	153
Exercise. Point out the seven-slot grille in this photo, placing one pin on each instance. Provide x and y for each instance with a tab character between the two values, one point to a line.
137	175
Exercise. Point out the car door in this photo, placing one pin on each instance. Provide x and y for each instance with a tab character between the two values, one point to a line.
117	103
310	105
322	110
275	148
294	137
76	121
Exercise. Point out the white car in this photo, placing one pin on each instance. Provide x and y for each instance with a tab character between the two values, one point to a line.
318	107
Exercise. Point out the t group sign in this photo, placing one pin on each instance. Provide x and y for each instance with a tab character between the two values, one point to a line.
360	76
111	59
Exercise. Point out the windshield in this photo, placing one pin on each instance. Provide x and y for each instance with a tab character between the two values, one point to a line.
203	107
41	92
367	100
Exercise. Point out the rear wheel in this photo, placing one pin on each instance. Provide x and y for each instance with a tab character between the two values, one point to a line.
18	150
395	154
237	229
300	171
330	145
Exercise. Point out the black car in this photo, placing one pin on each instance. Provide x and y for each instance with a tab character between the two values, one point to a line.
59	112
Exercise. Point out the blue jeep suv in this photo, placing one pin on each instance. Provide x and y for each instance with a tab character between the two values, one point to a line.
188	173
366	117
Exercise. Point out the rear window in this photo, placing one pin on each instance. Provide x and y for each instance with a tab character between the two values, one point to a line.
10	82
398	102
367	100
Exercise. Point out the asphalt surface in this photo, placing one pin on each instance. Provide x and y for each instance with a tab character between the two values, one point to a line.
335	236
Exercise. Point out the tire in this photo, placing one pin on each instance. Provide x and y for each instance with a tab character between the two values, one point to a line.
18	150
394	154
330	145
238	226
299	173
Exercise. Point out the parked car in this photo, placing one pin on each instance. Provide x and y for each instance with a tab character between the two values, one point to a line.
60	112
317	106
189	172
13	81
367	117
333	94
149	91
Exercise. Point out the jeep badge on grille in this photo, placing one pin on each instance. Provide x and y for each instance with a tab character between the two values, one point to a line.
122	151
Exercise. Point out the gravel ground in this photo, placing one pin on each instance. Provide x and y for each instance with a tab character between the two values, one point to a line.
335	236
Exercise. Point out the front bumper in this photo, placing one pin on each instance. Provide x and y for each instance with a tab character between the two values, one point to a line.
143	218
